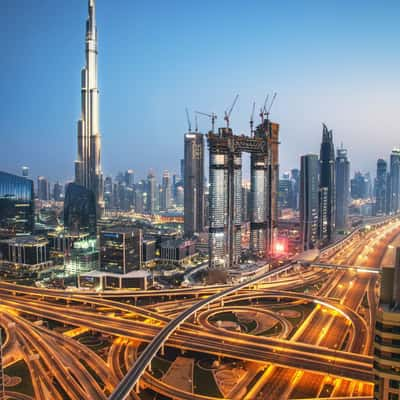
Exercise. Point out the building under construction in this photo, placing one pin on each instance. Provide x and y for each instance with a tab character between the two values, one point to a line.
225	199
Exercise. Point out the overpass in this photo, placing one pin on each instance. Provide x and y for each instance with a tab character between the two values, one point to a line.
355	268
144	360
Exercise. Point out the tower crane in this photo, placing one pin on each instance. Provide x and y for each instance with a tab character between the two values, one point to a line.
188	120
228	113
212	116
252	119
270	106
263	109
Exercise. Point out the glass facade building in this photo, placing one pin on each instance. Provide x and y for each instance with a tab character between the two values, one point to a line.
16	205
327	188
80	210
342	190
194	184
309	194
120	249
217	211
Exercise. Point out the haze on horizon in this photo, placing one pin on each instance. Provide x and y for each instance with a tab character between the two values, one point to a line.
333	62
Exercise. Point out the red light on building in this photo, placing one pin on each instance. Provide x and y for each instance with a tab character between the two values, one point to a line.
280	246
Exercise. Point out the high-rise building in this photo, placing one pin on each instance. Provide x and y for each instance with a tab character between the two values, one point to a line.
387	335
273	183
108	193
193	184
359	186
225	194
57	192
151	193
327	207
88	165
25	171
120	249
17	210
381	187
395	181
294	201
43	188
140	197
130	177
309	190
182	168
342	189
285	191
80	210
166	192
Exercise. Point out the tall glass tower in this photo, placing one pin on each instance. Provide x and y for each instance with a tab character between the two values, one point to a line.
327	194
342	189
88	166
309	201
194	183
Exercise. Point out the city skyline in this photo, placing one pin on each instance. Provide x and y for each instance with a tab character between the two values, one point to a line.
337	86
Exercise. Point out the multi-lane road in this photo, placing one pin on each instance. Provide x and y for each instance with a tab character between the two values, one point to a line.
326	354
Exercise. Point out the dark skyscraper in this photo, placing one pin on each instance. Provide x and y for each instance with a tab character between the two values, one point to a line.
88	166
395	181
309	200
381	187
327	208
17	210
120	249
79	210
194	184
342	189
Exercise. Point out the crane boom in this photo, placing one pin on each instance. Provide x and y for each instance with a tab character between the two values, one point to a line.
188	120
252	119
212	116
228	113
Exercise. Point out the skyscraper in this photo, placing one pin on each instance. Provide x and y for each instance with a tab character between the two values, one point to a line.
193	183
88	166
327	208
151	185
43	188
165	192
17	208
129	177
79	210
395	181
387	334
381	187
309	200
342	189
25	171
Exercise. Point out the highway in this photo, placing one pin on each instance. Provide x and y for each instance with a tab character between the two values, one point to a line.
327	354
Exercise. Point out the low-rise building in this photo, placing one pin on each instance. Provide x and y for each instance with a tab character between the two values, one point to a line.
177	251
25	253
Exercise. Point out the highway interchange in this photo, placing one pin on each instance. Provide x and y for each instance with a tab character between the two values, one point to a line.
326	354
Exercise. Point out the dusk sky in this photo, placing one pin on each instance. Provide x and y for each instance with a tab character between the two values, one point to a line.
336	62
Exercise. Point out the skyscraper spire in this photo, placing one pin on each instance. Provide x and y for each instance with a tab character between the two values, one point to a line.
88	165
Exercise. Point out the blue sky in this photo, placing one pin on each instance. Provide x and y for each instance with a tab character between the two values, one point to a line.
330	61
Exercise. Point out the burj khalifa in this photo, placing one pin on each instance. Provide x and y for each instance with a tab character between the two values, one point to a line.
88	165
